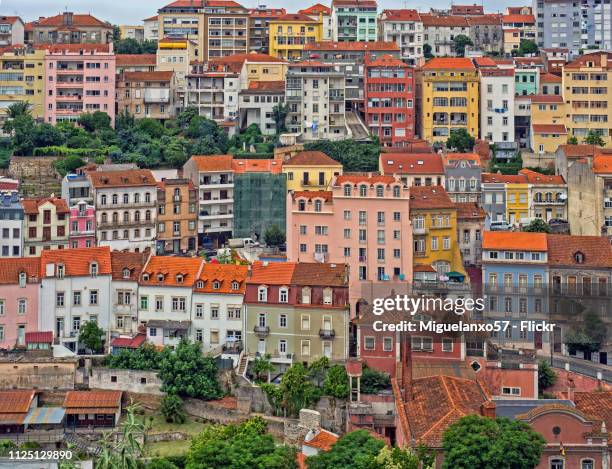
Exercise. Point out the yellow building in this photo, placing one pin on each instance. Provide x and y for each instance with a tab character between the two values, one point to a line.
22	73
289	33
517	201
132	32
587	83
176	55
434	228
547	119
310	171
449	98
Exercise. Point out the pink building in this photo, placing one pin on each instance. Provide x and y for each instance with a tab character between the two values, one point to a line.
363	222
19	290
80	78
82	225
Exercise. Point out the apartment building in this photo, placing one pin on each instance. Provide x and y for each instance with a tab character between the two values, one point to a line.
217	311
213	89
296	312
470	226
494	196
518	27
259	27
548	195
361	221
433	217
291	32
126	270
405	28
586	84
135	32
389	101
12	31
414	169
486	33
310	170
497	104
550	83
165	297
315	95
463	174
439	32
23	80
45	225
151	28
213	176
126	208
75	289
69	28
450	98
319	11
548	116
82	225
177	216
527	75
19	290
354	20
11	219
257	103
148	95
80	78
135	63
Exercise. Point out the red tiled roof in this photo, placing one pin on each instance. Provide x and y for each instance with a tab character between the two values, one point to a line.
357	3
533	177
515	241
549	128
503	178
327	196
467	10
595	58
485	62
171	268
274	273
385	61
457	63
602	164
267	12
31	206
78	20
149	76
16	401
549	78
312	158
470	210
444	21
225	274
423	268
209	163
323	440
129	342
429	197
411	163
241	166
45	337
10	268
295	17
61	48
352	46
546	98
77	262
401	15
248	57
151	18
596	251
320	274
129	178
527	19
473	157
125	60
597	404
133	261
578	151
316	9
80	401
10	19
269	86
357	178
491	20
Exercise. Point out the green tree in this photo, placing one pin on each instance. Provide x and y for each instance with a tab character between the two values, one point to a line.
22	129
172	409
159	463
123	451
6	446
357	450
588	336
127	46
94	121
537	226
186	372
262	366
298	391
546	376
145	357
152	127
274	236
336	382
20	108
593	138
186	116
427	51
317	370
397	458
92	337
461	141
68	164
572	140
476	441
526	47
460	42
353	156
279	115
373	381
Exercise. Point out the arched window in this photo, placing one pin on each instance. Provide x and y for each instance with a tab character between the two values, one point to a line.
538	197
104	217
160	277
216	285
179	278
148	215
177	192
587	464
306	295
283	295
136	215
147	197
235	285
318	205
126	216
327	296
579	257
22	279
126	198
126	273
136	198
347	190
262	294
380	190
115	199
115	217
302	205
549	197
557	463
396	191
363	190
103	199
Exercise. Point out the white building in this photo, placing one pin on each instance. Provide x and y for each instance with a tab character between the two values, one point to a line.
217	311
126	208
497	104
126	268
439	32
257	104
75	289
214	177
11	225
12	31
165	297
405	28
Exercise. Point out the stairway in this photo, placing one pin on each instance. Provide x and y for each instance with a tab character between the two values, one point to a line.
242	366
75	441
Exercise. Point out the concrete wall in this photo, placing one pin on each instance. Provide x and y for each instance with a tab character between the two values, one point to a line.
125	380
40	375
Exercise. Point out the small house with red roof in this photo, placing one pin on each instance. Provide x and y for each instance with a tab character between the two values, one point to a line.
70	28
126	269
45	224
92	408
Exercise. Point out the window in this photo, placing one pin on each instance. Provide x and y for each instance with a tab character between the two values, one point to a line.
59	300
587	464
214	312
305	346
327	296
152	332
144	302
511	391
159	303
557	464
76	323
447	345
423	344
369	343
380	191
305	322
199	311
262	294
282	346
387	344
93	269
21	306
282	320
178	303
76	298
93	297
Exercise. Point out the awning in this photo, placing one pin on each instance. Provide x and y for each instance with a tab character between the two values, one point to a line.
45	415
456	276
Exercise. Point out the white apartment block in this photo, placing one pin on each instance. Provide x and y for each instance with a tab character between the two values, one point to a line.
405	28
497	104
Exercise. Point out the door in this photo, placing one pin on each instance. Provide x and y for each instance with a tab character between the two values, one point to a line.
21	335
327	349
537	340
548	214
59	327
261	346
176	246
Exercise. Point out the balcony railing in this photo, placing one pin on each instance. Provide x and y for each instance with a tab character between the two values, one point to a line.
327	333
261	331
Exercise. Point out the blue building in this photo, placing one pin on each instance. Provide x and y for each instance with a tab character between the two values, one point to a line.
11	224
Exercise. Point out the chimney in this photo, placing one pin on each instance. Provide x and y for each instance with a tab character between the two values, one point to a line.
487	409
68	17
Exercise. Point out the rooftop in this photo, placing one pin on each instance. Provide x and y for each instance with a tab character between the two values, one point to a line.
447	21
129	178
213	163
171	271
352	46
470	210
449	63
127	262
225	275
429	197
156	76
78	20
411	163
364	178
533	177
10	268
312	158
401	15
126	60
595	251
77	402
32	206
514	241
270	165
316	9
76	262
549	129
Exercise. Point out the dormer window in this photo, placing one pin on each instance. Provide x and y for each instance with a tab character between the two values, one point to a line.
126	273
60	271
216	285
327	296
262	294
235	285
318	205
306	295
200	284
93	269
179	278
160	277
145	277
380	191
363	190
579	257
347	190
22	279
283	295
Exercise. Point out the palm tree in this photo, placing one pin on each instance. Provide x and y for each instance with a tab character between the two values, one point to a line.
20	108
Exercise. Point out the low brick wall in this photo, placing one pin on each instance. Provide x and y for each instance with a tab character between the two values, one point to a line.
136	381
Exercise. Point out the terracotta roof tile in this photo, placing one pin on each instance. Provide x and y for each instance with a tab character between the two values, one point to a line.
110	400
602	164
515	241
10	268
385	61
129	342
596	251
32	206
327	196
533	177
401	15
485	62
149	76
132	261
241	166
503	178
474	158
549	129
423	268
45	337
125	60
429	197
61	48
549	78
225	274
16	402
294	18
152	18
312	158
469	210
129	178
527	19
546	98
249	57
455	63
357	3
489	19
78	20
212	163
10	19
77	262
322	441
276	86
597	404
444	21
316	9
595	57
170	269
352	46
358	178
274	273
467	10
411	163
578	151
267	12
320	274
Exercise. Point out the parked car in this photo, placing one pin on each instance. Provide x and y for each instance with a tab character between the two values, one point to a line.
242	243
500	226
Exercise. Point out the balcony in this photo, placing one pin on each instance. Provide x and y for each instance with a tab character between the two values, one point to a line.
125	223
327	333
419	230
261	331
157	95
205	215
